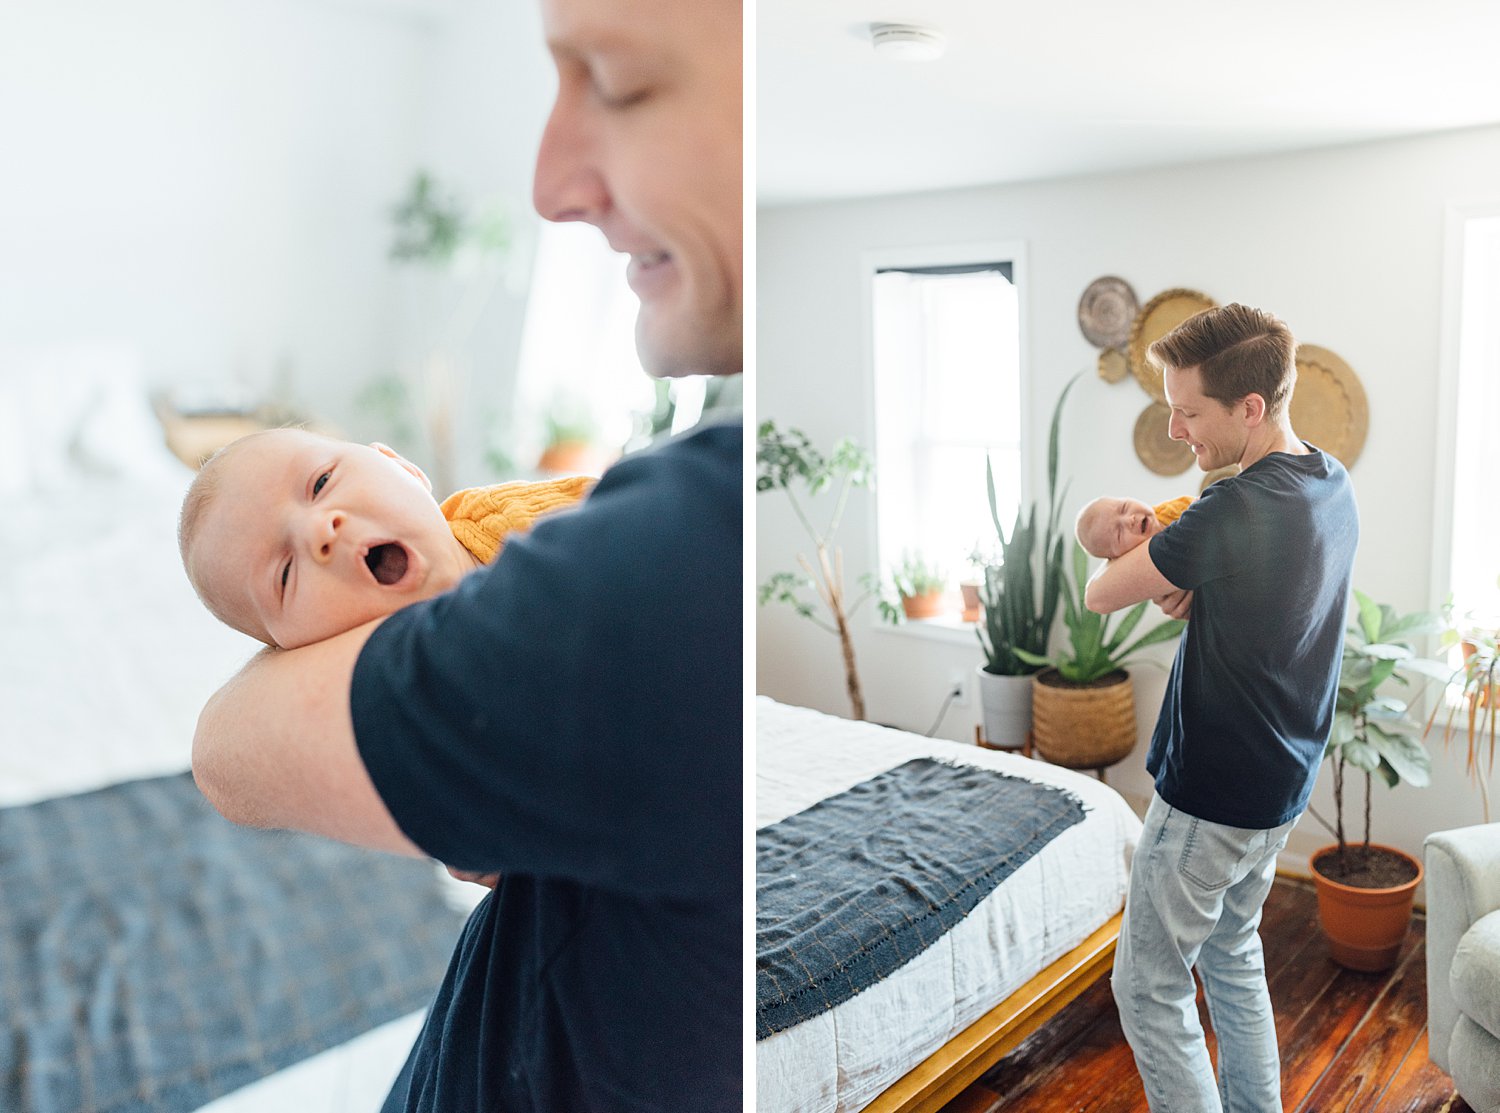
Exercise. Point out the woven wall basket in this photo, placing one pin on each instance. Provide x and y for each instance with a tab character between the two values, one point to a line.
1082	728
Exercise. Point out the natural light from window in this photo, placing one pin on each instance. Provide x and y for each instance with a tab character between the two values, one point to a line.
1475	562
946	355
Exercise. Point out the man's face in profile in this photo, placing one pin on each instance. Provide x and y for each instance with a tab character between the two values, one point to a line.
644	141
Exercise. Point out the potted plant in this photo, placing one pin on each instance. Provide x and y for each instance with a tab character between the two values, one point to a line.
1365	889
1019	597
1478	692
785	461
919	586
1083	703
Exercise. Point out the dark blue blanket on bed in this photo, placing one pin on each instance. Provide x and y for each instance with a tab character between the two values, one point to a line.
154	956
861	883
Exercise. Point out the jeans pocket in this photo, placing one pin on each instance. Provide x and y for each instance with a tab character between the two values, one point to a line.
1211	854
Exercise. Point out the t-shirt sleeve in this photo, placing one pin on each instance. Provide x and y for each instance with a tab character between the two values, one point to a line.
1200	546
574	710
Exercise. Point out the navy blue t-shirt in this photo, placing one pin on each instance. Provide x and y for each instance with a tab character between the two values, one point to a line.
571	716
1249	705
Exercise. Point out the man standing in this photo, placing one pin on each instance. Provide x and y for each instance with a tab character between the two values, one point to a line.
1262	564
565	725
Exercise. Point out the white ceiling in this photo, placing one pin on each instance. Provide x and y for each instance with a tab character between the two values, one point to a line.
1053	88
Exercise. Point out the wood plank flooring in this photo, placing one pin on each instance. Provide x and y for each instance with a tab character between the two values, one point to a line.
1349	1042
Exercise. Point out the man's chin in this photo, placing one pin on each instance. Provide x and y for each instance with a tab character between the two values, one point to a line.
669	351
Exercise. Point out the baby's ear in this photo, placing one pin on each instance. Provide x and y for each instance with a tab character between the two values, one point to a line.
387	450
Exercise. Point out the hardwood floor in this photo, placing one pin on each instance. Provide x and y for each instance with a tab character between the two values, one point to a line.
1349	1042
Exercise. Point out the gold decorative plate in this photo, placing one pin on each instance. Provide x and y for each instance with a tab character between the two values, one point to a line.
1158	451
1106	310
1158	317
1329	409
1113	366
1217	474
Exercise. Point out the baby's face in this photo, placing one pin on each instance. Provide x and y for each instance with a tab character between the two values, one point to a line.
1114	526
307	537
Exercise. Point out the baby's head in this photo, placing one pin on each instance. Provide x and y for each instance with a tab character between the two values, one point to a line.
1111	527
292	537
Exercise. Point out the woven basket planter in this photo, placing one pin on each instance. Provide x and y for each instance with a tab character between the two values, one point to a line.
1083	727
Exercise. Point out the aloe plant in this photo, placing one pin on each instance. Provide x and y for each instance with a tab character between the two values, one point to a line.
1092	652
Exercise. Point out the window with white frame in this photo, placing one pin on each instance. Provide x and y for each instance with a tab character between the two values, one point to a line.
1473	405
946	357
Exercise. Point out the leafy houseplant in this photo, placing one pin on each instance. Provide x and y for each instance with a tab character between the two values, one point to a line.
1083	700
1018	598
1365	891
786	461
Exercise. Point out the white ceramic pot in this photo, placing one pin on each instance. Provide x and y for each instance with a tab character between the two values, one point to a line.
1005	703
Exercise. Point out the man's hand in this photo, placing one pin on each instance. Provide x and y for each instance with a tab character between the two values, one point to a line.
1175	604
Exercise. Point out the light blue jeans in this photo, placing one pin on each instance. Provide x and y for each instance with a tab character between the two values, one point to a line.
1196	891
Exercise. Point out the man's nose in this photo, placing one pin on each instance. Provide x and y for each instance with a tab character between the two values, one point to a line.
568	185
1175	428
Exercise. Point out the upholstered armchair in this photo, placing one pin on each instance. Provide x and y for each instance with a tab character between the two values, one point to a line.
1463	960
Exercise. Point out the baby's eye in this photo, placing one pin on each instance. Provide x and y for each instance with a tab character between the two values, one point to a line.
320	481
285	572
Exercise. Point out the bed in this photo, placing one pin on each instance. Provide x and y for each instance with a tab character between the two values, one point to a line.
915	1037
154	958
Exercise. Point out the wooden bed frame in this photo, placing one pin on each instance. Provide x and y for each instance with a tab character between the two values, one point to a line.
939	1078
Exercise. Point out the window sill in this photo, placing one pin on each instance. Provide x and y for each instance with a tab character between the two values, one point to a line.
952	631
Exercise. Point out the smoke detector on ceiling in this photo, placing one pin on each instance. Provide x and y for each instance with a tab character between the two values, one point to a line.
909	42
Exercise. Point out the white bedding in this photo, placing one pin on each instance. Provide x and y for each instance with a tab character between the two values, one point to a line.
841	1060
106	655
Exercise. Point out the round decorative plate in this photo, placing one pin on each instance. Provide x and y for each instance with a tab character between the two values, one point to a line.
1158	317
1113	366
1106	310
1216	475
1158	451
1329	409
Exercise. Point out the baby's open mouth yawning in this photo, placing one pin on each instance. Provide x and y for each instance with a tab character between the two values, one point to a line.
387	562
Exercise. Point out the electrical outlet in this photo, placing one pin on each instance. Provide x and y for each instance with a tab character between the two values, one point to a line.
958	689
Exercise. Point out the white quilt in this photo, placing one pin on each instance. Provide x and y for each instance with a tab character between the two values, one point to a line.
840	1061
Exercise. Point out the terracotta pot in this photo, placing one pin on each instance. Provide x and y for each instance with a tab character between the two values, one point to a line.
970	592
1005	704
926	605
1083	727
1365	927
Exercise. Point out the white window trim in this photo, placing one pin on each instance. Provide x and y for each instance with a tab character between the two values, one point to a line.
1456	216
986	251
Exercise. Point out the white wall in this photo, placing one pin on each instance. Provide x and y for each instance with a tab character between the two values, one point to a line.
1345	244
210	181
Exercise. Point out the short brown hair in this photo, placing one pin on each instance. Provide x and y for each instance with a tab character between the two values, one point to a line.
1238	351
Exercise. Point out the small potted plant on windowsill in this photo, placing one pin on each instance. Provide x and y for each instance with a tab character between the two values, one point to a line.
919	586
1083	703
1365	889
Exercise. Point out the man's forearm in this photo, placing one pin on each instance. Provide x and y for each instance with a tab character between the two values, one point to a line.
1126	581
275	747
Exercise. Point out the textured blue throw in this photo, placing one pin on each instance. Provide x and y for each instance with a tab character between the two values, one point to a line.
861	883
154	956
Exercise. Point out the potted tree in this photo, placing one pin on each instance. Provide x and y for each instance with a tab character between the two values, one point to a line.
1365	889
1019	596
786	461
1083	703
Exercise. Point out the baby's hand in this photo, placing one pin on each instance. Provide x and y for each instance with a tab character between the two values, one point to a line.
1175	604
488	880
